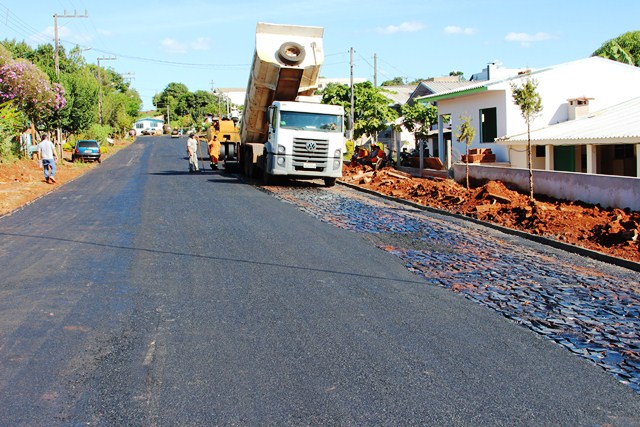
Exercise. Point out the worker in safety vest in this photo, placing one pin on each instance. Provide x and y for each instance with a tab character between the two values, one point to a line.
214	151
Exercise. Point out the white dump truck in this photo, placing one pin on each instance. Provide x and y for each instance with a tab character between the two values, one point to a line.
284	130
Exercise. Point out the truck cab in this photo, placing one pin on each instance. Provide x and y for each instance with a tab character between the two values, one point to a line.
305	140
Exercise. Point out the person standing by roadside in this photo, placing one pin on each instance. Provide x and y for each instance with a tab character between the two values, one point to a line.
48	157
214	151
192	150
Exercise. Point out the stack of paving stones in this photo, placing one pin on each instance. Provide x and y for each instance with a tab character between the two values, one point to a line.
595	315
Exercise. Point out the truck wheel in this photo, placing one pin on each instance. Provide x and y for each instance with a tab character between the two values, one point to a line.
329	182
267	179
291	53
245	163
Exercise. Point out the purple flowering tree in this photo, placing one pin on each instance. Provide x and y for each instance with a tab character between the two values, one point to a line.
29	90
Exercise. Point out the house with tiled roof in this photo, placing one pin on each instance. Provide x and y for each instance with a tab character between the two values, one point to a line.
566	90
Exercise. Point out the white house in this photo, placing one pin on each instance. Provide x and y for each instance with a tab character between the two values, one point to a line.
602	83
598	142
146	123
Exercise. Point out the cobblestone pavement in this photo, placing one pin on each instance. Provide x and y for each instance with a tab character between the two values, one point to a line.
588	307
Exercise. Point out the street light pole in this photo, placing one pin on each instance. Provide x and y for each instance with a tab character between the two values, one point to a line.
100	86
56	57
352	103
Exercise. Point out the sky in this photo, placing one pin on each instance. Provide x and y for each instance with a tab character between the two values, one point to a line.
209	44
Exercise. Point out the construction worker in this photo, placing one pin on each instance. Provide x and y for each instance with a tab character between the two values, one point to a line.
363	153
214	151
192	150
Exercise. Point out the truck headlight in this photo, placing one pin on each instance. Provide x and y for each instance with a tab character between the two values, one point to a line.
337	153
337	164
281	149
280	161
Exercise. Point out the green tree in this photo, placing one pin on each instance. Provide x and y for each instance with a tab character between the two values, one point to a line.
114	112
10	122
372	111
466	133
82	101
624	48
17	49
418	118
79	81
528	100
396	81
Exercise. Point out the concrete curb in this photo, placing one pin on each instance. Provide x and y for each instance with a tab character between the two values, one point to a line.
631	265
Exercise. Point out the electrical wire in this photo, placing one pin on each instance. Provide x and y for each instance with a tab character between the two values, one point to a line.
16	24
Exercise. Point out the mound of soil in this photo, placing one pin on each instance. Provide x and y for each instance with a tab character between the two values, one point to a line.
614	232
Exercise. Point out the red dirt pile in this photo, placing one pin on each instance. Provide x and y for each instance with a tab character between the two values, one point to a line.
614	232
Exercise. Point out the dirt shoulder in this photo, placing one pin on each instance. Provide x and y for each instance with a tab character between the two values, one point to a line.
614	232
22	181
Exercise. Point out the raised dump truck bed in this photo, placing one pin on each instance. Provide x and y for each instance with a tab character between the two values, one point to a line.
286	63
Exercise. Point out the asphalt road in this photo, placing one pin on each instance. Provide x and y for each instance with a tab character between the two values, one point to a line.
140	294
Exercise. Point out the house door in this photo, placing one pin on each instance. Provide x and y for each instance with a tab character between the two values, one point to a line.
564	158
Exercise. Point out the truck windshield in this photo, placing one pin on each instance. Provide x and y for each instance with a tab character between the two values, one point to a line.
310	121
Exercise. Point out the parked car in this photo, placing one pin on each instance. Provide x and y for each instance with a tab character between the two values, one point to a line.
175	133
151	131
86	149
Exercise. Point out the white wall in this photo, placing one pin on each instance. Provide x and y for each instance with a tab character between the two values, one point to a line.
470	106
595	189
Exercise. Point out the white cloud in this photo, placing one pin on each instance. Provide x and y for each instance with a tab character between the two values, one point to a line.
452	29
405	27
526	39
175	46
201	43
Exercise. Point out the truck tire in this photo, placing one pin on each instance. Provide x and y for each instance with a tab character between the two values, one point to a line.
329	182
291	53
245	163
267	179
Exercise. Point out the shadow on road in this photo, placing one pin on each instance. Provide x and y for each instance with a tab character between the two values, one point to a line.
216	258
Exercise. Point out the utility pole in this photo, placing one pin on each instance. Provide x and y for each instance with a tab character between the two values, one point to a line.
128	77
351	112
56	57
375	70
55	25
100	86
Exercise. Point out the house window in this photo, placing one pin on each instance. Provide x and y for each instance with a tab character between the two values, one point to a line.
623	151
541	151
488	125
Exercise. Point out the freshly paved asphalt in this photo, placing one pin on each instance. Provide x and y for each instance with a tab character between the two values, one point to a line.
140	294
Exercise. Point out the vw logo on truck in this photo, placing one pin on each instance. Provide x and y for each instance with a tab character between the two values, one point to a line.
311	145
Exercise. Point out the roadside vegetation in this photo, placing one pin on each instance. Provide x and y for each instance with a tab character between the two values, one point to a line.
36	96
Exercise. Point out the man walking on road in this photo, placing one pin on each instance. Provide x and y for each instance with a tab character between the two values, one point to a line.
192	150
48	157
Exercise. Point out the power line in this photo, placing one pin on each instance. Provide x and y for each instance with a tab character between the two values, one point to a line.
18	25
160	61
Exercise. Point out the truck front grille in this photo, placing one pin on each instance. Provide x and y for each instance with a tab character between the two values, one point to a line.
308	152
